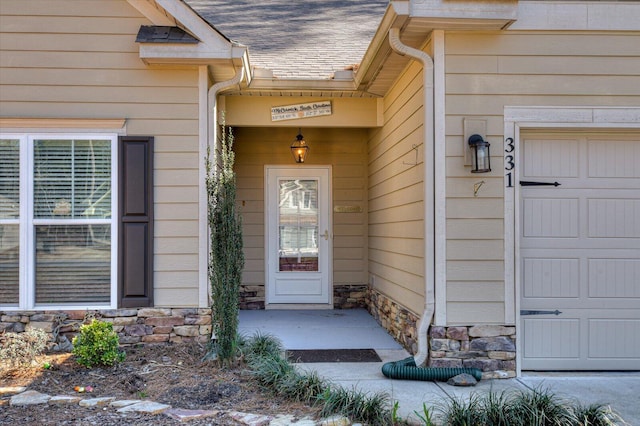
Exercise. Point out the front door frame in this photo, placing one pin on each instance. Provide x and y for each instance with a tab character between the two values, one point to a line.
327	265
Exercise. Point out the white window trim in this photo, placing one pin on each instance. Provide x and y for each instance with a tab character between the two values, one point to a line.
27	222
517	119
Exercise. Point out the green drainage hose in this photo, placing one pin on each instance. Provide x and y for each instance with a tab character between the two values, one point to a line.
406	369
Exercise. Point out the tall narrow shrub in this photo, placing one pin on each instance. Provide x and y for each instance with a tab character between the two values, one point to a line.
226	258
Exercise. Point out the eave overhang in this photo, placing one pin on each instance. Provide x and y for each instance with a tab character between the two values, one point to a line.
416	20
212	48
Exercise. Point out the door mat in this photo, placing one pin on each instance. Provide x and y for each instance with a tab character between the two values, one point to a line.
333	355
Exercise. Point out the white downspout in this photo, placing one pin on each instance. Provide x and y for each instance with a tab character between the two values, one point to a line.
212	143
212	101
429	192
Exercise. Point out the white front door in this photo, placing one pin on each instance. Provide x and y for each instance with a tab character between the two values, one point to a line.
580	251
298	235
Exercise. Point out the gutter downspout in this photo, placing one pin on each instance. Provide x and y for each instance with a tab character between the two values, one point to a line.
429	192
212	144
212	102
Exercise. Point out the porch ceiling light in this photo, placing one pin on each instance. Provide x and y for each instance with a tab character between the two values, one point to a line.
299	148
480	154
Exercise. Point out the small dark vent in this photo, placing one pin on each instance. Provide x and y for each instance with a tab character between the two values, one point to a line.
159	34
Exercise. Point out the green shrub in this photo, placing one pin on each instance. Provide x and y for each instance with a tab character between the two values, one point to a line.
22	348
97	344
226	257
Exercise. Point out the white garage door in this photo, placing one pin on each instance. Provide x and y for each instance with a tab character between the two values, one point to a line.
580	251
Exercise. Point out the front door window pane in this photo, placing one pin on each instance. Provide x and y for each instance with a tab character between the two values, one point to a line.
298	225
73	264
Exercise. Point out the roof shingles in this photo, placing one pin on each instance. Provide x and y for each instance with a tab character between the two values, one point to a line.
308	39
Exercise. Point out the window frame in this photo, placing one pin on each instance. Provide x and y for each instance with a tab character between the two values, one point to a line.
27	222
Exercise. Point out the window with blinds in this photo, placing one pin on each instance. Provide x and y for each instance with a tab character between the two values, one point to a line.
9	221
71	200
56	196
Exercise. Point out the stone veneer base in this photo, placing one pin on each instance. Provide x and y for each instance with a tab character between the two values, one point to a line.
490	348
134	326
345	296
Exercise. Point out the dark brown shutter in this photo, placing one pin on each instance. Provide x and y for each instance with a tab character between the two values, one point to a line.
135	244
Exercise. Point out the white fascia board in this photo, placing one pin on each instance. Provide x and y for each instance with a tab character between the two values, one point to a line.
501	10
152	13
578	16
195	24
395	16
161	52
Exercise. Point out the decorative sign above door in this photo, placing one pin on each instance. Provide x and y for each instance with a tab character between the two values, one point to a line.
294	112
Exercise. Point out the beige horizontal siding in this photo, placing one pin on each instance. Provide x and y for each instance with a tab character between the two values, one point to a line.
345	150
79	59
484	73
464	291
465	313
396	195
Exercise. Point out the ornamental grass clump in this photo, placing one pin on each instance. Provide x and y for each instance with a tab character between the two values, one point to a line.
537	407
97	344
264	356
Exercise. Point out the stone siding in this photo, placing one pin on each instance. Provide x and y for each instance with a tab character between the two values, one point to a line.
490	348
252	297
345	296
401	323
134	326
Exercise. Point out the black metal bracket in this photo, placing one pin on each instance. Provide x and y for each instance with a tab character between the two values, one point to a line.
532	183
526	312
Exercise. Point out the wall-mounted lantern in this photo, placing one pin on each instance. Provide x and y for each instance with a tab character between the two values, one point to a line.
299	148
480	154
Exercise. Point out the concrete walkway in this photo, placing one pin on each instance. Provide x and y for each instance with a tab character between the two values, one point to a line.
356	329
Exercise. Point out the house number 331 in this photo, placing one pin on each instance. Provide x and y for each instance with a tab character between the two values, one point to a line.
509	163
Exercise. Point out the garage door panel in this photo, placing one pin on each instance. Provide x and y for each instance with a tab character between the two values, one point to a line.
552	338
614	218
614	338
550	217
550	157
580	253
552	277
613	159
614	278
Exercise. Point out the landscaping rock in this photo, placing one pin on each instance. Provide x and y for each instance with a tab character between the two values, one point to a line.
289	420
145	407
463	379
30	397
96	402
11	390
64	399
124	403
250	419
183	415
336	421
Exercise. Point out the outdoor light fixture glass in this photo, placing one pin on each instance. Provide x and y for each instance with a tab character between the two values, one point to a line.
481	159
299	148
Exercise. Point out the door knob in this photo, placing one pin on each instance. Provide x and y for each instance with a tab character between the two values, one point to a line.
326	234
